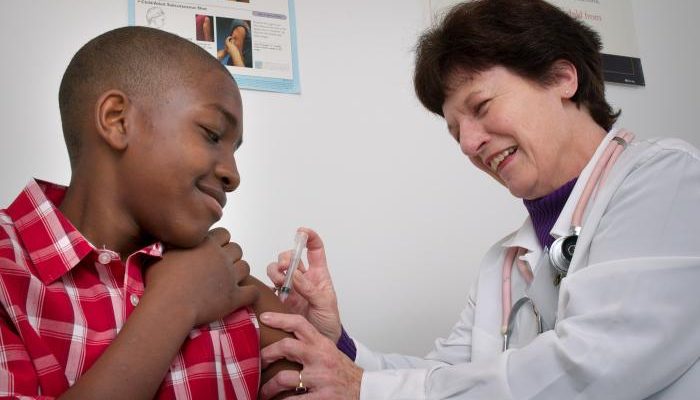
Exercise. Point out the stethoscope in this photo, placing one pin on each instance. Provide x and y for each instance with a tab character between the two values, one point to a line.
562	250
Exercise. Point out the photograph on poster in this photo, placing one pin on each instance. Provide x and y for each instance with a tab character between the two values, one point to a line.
205	27
233	42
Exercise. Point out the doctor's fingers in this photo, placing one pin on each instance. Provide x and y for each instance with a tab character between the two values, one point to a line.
315	250
288	380
287	348
276	271
293	323
285	380
319	293
285	258
328	374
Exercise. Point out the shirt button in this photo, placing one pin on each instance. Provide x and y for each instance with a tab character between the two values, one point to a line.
134	300
104	258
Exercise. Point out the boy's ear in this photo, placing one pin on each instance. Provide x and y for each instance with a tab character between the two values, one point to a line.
111	109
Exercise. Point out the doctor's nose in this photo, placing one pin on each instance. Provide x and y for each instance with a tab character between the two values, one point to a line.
472	138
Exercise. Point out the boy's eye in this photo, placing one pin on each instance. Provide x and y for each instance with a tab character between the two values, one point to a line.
212	136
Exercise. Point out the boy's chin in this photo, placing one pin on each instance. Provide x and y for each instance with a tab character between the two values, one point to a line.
187	240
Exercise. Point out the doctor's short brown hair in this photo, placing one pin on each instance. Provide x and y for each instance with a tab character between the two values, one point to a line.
525	36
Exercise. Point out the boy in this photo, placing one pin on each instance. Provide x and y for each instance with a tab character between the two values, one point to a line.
114	287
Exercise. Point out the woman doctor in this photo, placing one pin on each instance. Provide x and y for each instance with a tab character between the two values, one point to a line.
519	84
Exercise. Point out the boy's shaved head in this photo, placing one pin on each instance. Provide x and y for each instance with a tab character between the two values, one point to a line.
142	62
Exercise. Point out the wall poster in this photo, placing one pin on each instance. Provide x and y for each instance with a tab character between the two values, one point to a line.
254	39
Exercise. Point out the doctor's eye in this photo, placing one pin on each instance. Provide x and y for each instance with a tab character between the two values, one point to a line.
481	108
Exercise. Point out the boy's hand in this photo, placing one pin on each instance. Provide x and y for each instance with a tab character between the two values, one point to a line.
205	280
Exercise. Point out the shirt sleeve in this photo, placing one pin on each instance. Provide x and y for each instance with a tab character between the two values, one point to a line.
626	321
346	344
18	377
390	376
454	349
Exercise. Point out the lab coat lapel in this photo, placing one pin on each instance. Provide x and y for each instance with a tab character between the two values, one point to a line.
598	205
487	341
486	335
543	292
562	227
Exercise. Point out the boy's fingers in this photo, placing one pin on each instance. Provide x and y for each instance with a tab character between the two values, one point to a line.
233	250
220	236
241	270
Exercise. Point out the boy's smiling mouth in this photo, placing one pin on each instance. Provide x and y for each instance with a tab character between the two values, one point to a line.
218	196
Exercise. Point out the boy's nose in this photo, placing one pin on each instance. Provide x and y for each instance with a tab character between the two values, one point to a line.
227	173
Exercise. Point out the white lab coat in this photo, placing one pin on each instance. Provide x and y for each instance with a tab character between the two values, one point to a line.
626	319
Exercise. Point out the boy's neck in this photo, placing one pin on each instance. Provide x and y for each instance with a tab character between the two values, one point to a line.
92	208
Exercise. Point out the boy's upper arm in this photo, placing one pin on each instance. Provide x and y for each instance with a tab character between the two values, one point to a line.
268	301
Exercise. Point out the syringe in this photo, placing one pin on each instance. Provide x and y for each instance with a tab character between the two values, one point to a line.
299	245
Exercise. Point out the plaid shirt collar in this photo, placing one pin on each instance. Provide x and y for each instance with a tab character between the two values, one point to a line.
54	245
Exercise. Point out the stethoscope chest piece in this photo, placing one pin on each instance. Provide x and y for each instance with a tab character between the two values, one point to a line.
561	252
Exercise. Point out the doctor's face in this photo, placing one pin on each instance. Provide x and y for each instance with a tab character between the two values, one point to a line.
512	128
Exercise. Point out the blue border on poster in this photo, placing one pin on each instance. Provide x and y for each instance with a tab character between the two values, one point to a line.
256	82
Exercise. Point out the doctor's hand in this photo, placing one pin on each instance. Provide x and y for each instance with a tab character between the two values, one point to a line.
313	295
327	373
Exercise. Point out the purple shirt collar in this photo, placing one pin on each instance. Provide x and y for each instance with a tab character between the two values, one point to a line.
545	210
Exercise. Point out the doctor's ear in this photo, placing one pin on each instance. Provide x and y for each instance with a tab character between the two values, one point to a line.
110	118
565	77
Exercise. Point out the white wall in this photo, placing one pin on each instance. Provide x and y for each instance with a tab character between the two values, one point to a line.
405	217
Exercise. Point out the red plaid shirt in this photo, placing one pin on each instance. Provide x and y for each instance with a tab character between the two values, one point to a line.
64	301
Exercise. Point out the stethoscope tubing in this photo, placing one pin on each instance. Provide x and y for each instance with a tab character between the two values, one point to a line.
596	180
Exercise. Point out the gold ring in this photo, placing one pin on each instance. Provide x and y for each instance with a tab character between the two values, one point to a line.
300	388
